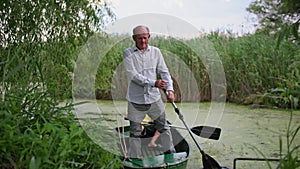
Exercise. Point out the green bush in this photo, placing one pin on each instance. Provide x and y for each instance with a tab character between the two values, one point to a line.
36	131
58	142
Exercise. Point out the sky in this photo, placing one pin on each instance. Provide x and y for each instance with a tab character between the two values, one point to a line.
204	15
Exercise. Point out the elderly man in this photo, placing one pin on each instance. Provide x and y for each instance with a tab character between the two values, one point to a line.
143	63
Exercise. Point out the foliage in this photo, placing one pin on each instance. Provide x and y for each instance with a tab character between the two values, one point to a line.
40	41
279	16
52	61
57	20
110	62
253	66
285	97
36	132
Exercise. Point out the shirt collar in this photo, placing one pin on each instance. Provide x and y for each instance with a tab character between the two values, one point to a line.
137	49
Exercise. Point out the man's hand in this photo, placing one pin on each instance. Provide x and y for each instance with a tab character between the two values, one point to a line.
171	96
160	84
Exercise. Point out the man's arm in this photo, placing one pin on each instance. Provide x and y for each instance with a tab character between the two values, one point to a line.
166	77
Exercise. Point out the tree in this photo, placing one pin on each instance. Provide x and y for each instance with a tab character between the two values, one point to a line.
54	20
49	32
37	50
278	16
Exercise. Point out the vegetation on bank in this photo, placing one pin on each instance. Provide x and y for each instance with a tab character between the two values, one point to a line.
256	70
35	131
39	44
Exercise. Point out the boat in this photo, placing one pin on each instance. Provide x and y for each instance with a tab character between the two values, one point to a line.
153	158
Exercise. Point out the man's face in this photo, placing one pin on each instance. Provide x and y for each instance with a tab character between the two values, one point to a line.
141	40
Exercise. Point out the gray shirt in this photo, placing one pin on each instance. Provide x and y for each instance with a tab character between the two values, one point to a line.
142	69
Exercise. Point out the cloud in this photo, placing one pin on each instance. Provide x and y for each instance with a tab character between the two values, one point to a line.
201	13
170	4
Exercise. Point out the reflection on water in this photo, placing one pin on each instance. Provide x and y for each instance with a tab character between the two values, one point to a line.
245	133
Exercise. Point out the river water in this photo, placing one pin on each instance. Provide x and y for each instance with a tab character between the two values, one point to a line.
246	132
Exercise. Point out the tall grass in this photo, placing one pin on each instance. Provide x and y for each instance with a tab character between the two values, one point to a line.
254	65
34	131
256	70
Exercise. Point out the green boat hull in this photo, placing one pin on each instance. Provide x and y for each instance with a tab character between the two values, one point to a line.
171	161
153	158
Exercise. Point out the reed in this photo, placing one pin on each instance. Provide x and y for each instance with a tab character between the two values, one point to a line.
35	131
256	70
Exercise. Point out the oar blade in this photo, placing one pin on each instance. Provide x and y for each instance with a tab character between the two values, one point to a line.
209	162
207	132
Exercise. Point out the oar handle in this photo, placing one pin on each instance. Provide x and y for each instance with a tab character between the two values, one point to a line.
177	111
